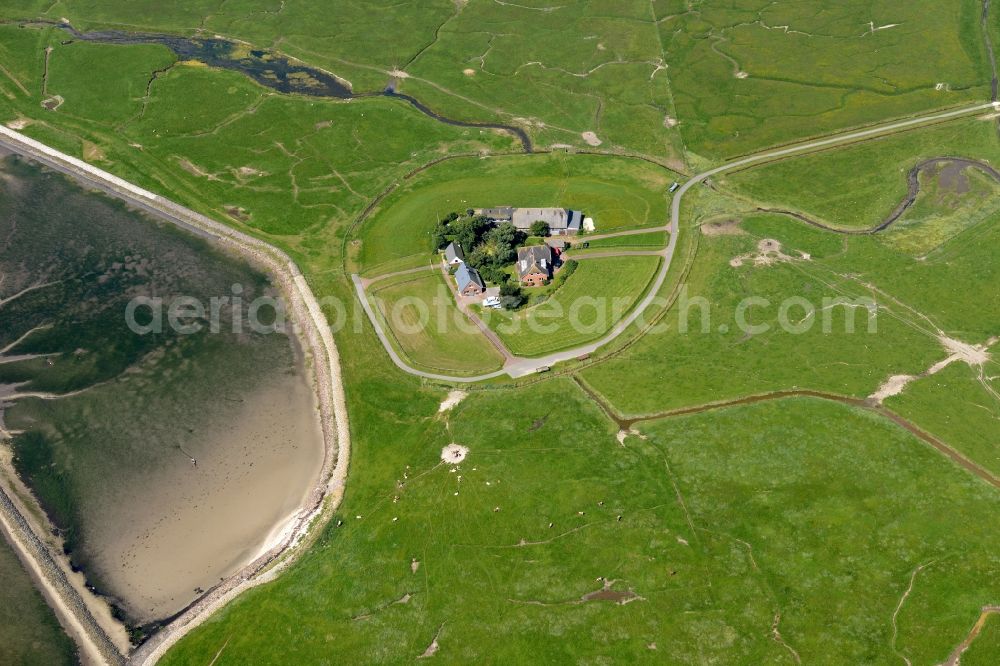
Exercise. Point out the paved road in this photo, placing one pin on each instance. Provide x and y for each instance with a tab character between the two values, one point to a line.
520	366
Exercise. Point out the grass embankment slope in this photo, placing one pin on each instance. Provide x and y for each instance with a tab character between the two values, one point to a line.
618	193
29	632
593	299
426	325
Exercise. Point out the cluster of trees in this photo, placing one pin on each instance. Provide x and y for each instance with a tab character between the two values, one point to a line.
488	248
511	296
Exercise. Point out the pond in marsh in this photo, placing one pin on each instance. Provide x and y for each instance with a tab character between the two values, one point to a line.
272	71
164	459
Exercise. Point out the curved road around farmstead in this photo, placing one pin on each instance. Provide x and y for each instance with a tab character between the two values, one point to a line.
517	366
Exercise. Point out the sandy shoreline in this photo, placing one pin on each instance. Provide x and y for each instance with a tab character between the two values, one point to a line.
322	359
194	525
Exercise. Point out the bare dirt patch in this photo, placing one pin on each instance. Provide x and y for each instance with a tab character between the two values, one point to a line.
92	152
892	386
768	253
591	139
433	647
193	169
669	121
452	400
972	355
238	212
454	453
245	172
722	228
19	123
620	597
975	355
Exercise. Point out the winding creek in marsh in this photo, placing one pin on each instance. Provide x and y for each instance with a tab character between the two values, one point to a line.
276	71
164	461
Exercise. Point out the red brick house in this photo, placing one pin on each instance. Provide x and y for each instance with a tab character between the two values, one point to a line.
534	265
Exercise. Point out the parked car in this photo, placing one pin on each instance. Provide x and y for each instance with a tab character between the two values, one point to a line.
492	302
673	188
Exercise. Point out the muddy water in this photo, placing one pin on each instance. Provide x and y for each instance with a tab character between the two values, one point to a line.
164	461
252	472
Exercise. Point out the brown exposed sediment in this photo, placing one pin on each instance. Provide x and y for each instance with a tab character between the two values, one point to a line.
955	657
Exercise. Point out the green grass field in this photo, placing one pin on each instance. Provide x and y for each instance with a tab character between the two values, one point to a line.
617	193
960	407
857	187
88	76
423	320
727	521
709	363
594	298
799	519
753	73
652	240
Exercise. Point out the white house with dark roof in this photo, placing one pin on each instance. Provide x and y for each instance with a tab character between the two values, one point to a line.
453	254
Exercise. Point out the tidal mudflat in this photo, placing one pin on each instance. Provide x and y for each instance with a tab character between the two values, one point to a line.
166	460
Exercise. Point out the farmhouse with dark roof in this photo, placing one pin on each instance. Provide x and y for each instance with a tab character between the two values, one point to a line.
534	265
